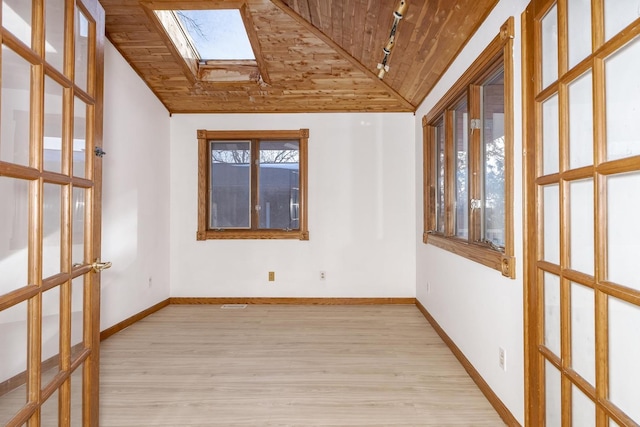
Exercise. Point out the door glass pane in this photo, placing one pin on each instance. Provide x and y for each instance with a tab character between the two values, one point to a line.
82	49
77	316
52	125
493	159
552	312
16	17
13	353
553	412
49	410
583	410
461	141
579	20
550	47
440	143
618	14
79	137
550	135
623	236
581	122
54	33
551	236
279	184
613	423
50	334
230	185
624	354
14	234
623	101
16	99
76	397
583	326
78	215
581	226
51	236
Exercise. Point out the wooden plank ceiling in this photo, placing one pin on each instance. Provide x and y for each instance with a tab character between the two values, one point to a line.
318	55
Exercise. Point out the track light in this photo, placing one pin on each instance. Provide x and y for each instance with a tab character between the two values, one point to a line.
400	11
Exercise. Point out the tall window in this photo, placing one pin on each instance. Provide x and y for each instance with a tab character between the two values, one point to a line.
467	163
252	184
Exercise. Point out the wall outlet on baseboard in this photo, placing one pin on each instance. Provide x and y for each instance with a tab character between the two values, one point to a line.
502	358
150	281
272	276
428	287
323	275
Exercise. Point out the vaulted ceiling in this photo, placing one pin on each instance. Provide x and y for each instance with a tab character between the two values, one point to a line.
315	55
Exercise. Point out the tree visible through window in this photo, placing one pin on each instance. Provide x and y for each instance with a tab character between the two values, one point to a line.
252	184
467	141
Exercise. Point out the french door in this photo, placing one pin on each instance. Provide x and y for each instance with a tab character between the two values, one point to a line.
581	81
51	67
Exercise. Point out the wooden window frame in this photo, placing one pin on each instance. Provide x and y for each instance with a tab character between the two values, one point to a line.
204	171
498	52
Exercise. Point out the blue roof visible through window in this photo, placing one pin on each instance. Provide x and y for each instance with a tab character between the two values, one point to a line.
217	34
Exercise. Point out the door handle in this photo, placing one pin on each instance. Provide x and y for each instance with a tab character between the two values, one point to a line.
98	266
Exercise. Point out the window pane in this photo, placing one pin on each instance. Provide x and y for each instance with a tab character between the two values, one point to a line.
618	14
550	47
54	27
583	409
279	185
16	17
16	94
552	312
624	353
51	236
14	234
79	137
230	189
82	49
13	353
623	102
49	411
579	17
50	334
77	315
439	152
553	411
583	327
581	226
550	135
461	141
77	213
623	229
551	236
580	122
52	125
493	160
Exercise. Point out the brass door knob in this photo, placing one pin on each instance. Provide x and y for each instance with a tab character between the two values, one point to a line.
98	266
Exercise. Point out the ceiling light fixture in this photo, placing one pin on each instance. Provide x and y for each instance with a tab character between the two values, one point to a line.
397	16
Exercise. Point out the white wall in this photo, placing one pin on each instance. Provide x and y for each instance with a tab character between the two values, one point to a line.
361	213
477	307
135	231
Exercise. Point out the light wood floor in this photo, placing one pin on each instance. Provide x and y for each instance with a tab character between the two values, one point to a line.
279	365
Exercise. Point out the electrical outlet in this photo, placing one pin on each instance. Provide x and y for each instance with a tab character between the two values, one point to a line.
323	275
272	276
150	281
428	287
502	358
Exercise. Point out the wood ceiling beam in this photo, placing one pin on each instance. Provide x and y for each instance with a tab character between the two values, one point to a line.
322	36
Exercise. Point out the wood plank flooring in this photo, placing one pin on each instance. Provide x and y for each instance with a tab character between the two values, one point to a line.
283	365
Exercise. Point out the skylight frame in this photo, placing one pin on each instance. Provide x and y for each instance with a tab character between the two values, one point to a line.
182	47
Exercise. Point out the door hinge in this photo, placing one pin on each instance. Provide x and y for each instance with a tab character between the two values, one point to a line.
475	124
99	152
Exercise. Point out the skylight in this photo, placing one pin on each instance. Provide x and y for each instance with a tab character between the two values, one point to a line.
217	34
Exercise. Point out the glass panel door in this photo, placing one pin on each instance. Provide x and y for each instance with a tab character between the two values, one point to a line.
49	62
583	182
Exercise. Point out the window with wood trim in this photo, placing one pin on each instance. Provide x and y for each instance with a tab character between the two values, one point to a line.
252	184
468	157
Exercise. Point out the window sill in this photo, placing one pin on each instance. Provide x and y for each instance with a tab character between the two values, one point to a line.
252	234
480	254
